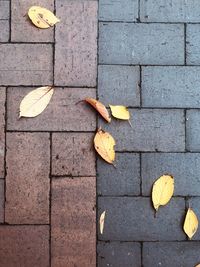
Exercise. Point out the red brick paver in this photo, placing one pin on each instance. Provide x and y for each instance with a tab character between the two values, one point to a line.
23	246
27	180
73	222
48	163
64	101
73	154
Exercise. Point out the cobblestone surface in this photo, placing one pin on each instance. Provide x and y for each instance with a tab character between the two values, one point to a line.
149	60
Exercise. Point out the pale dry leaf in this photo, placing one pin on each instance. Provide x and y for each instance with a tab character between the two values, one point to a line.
162	191
99	107
102	221
104	144
191	223
120	112
42	17
35	102
198	265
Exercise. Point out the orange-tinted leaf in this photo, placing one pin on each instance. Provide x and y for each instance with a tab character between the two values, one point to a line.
104	144
99	107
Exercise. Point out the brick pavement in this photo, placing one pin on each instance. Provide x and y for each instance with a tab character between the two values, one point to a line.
149	61
47	163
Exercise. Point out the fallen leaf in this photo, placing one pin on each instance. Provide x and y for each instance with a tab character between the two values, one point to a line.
101	221
191	223
104	144
42	17
162	191
198	265
120	112
35	102
99	107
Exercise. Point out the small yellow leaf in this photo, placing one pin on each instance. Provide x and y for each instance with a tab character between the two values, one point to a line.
42	17
99	107
102	221
120	112
163	190
36	101
104	144
191	223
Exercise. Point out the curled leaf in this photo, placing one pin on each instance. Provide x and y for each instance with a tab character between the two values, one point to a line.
120	112
191	223
42	17
36	101
104	144
102	221
162	191
99	107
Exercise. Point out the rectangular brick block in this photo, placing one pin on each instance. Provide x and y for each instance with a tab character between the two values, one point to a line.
119	85
185	168
192	130
122	180
64	112
118	10
27	180
150	131
2	197
170	87
171	254
2	130
22	29
75	63
132	219
119	254
192	44
132	43
24	246
73	154
73	219
4	10
26	64
169	11
4	30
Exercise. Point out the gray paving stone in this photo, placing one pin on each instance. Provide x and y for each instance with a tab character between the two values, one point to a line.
194	203
118	10
133	43
132	219
122	180
192	44
185	167
119	85
170	11
4	30
173	254
26	64
118	254
171	86
192	130
152	130
4	9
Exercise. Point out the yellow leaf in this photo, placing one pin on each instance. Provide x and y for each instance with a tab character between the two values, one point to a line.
120	112
36	101
99	107
101	221
104	144
42	17
163	190
191	223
